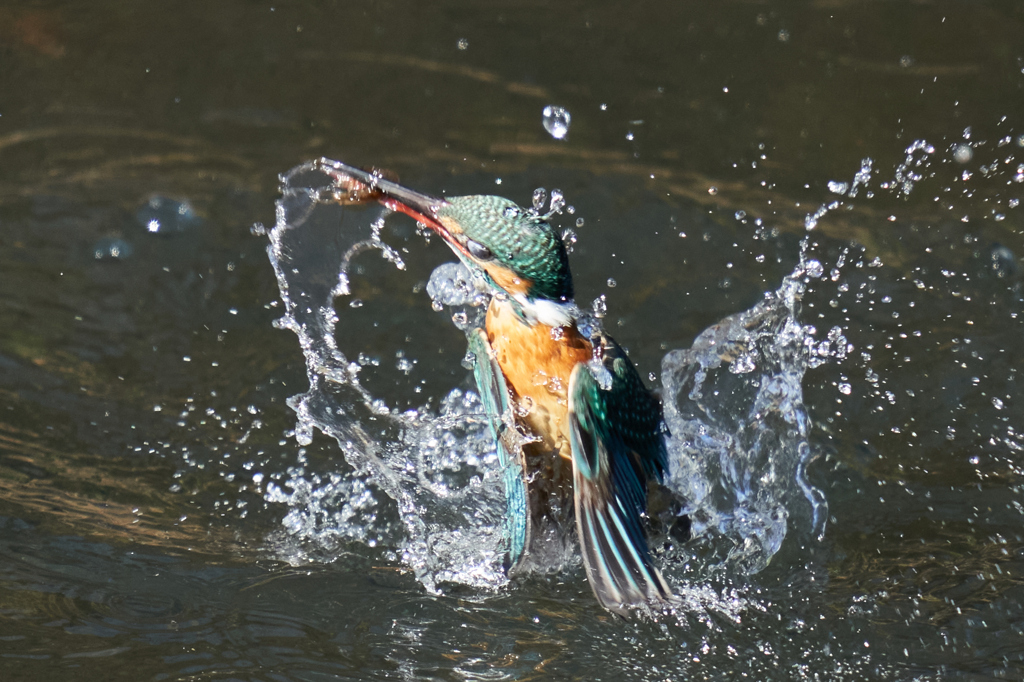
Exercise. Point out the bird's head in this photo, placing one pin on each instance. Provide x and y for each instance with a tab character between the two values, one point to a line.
518	250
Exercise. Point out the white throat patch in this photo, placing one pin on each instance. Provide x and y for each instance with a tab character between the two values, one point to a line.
546	312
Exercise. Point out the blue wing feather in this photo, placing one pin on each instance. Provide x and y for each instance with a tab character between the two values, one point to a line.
617	440
494	394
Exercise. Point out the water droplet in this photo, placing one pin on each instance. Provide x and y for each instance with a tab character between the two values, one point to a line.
569	239
814	269
540	197
712	191
450	284
355	303
601	375
604	107
112	248
556	121
588	326
579	222
463	44
512	212
162	215
997	403
743	364
557	333
783	36
600	306
611	283
962	153
906	61
845	388
837	187
557	202
1004	263
629	136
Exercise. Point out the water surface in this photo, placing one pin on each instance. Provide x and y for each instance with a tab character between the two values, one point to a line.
159	518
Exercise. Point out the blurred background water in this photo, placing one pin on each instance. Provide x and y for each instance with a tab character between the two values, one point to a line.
159	518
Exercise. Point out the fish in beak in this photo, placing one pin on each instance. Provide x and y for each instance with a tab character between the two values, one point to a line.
362	186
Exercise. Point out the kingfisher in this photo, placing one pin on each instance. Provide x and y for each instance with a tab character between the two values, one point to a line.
579	435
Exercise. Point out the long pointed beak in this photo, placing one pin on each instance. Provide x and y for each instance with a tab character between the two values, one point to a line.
372	186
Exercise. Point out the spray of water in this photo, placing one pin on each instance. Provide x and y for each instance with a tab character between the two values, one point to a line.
436	468
739	443
425	485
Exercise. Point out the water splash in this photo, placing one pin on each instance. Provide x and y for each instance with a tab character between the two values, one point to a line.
915	164
425	486
442	498
739	444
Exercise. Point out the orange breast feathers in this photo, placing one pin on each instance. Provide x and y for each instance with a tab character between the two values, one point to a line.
537	365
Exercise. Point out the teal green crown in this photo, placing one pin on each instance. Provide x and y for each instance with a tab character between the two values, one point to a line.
520	240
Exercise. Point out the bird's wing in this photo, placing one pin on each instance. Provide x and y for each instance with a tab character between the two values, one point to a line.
616	432
494	394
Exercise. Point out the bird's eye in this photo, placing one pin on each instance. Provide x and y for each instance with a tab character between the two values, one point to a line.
478	250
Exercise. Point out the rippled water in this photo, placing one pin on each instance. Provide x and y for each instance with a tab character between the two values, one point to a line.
803	222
